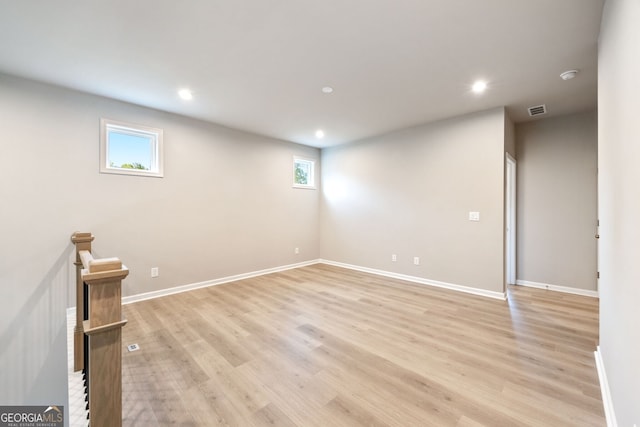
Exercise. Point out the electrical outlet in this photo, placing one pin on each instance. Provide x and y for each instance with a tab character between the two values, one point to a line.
296	251
474	216
416	260
155	272
133	347
394	257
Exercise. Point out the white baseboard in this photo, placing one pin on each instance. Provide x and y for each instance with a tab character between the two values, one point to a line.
184	288
604	389
420	280
71	311
556	288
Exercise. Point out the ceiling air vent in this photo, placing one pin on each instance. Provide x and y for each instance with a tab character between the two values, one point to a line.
537	110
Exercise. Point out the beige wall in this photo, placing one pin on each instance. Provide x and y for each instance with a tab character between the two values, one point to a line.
619	204
410	192
557	201
226	206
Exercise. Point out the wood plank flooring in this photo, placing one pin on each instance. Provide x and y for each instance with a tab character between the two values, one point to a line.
325	346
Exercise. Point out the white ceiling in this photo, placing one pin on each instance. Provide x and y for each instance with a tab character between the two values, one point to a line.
260	65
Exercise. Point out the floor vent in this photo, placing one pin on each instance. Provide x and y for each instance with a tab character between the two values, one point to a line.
537	110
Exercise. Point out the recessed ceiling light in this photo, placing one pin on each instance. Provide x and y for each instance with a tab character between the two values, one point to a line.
568	75
185	94
327	89
479	86
319	134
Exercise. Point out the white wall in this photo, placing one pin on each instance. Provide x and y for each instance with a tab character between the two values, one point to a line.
410	193
226	206
619	204
557	201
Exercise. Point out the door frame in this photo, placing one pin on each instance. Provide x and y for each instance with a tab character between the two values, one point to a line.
510	220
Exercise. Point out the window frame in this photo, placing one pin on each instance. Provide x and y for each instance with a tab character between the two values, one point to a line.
156	169
312	167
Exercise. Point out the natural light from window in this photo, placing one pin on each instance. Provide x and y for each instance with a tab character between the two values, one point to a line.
303	173
129	149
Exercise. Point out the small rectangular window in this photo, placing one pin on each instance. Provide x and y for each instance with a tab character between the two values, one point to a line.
303	173
130	149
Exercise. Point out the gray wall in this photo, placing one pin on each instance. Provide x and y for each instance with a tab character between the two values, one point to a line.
226	206
619	204
410	193
557	200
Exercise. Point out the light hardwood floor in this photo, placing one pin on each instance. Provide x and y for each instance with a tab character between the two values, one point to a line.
325	346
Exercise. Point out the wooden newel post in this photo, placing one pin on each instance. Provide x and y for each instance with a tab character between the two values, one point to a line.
104	329
83	243
101	331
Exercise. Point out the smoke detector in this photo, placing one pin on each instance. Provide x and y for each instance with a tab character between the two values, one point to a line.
568	75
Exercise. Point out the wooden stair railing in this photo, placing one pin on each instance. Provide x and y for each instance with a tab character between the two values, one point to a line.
98	331
83	243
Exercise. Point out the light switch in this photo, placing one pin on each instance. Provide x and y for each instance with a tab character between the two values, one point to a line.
474	216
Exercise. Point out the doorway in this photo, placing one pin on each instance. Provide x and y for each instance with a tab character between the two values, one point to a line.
510	221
